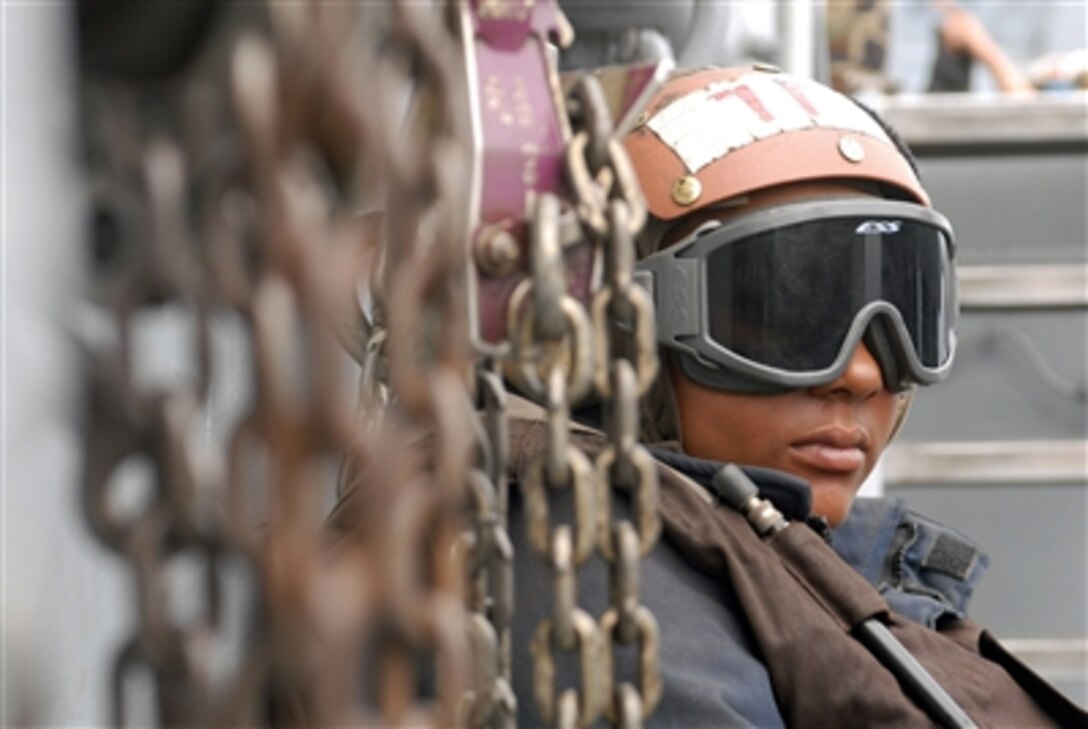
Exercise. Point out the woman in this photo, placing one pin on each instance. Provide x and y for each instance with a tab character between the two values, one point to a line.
803	286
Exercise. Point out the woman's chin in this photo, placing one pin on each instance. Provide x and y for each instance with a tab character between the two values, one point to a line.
831	498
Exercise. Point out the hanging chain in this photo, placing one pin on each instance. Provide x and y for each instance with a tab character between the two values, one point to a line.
232	196
626	358
231	201
621	309
626	367
491	565
560	352
553	354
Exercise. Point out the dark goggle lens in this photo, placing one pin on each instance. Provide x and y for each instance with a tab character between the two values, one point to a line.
787	298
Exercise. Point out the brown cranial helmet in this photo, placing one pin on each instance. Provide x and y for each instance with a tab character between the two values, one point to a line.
715	138
719	133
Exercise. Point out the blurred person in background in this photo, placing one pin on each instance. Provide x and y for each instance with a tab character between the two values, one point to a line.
860	35
1044	42
963	40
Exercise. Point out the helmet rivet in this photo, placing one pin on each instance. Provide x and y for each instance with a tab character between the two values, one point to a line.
686	190
851	149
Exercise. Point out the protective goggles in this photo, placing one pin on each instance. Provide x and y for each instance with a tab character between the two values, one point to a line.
779	299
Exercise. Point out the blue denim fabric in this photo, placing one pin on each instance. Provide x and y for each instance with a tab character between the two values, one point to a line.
924	570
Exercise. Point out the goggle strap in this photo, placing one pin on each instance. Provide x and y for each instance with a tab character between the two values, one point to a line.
721	379
677	295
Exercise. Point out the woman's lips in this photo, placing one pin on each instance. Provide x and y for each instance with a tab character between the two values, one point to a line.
835	450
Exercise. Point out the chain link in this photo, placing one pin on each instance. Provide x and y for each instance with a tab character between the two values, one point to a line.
549	359
235	194
491	565
626	365
564	466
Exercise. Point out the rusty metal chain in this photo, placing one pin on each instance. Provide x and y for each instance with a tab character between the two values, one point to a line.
235	200
626	365
491	565
552	357
560	351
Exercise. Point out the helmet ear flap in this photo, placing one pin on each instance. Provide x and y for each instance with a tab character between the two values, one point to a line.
886	350
902	408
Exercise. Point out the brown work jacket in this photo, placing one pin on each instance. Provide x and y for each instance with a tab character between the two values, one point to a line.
802	601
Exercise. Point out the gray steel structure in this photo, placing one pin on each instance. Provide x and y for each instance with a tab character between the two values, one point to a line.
1000	449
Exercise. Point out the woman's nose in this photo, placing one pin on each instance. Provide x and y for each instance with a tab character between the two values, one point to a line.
861	379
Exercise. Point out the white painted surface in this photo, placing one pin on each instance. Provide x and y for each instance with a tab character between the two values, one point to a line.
62	611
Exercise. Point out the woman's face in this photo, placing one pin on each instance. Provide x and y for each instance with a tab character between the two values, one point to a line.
831	435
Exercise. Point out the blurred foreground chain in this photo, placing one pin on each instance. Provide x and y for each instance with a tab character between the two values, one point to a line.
227	195
226	205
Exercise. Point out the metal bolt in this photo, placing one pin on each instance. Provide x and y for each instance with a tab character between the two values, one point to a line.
497	251
686	190
851	149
